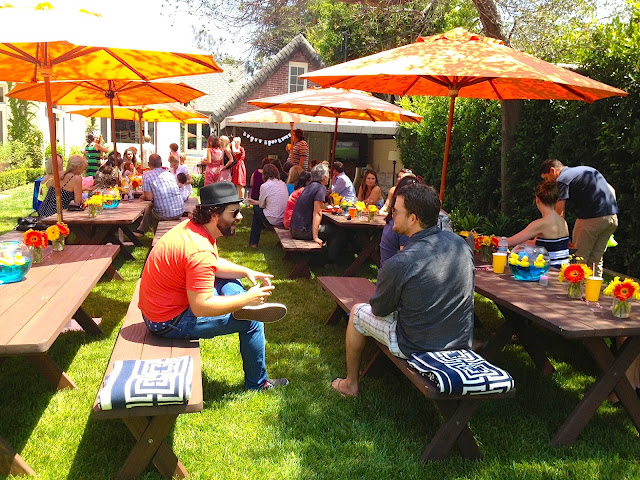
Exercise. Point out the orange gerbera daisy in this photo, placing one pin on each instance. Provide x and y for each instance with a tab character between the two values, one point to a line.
574	273
64	229
624	291
35	238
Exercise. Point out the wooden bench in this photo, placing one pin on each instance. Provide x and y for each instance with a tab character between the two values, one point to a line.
297	251
456	410
165	225
151	425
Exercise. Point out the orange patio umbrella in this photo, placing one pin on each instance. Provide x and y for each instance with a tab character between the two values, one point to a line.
47	42
461	64
170	112
107	92
337	103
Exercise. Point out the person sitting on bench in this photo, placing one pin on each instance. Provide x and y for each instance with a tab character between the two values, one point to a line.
188	291
424	294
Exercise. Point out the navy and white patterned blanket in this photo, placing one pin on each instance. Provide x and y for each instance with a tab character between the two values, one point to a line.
146	383
461	372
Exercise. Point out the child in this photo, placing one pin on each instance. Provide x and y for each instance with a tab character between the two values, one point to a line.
182	185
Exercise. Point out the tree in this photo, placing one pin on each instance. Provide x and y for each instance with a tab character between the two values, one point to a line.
22	129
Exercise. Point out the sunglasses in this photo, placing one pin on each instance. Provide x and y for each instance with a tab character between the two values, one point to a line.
235	212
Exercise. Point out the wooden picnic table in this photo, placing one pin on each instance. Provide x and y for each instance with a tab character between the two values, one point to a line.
34	311
368	234
528	304
104	228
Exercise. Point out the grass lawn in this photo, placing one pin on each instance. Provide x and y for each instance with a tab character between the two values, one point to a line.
305	430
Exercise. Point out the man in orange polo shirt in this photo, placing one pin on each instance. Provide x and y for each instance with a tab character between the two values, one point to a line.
188	291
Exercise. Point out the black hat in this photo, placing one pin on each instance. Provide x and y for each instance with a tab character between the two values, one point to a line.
220	193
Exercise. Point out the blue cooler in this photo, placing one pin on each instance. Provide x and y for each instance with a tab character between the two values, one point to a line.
36	188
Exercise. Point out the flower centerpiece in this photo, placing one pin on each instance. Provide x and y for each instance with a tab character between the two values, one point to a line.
36	241
622	292
484	245
335	198
345	204
135	181
57	233
360	207
372	210
93	204
575	274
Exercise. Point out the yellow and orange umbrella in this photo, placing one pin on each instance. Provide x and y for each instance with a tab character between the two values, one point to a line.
47	42
461	64
170	112
337	103
107	92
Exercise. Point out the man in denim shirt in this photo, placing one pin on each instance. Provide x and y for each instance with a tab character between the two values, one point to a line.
424	294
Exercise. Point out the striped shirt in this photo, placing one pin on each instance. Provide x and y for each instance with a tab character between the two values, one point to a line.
93	160
300	149
558	249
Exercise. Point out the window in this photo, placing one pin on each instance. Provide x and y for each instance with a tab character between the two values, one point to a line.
296	83
192	136
127	131
1	94
206	132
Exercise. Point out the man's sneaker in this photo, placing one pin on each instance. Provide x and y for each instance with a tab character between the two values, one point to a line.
268	312
275	382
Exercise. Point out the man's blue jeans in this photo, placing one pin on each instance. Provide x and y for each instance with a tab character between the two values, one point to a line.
251	333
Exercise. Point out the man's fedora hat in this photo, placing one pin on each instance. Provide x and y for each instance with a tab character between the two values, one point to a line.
220	193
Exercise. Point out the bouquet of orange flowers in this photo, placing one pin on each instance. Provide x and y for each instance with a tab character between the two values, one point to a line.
622	292
35	239
575	274
135	181
60	229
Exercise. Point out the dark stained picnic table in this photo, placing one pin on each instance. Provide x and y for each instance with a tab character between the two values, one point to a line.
104	228
34	311
368	233
577	320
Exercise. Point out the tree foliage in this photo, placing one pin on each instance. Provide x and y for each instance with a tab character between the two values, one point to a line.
22	129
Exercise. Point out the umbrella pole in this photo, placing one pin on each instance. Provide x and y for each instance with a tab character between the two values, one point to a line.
141	132
54	149
155	135
333	152
113	129
452	103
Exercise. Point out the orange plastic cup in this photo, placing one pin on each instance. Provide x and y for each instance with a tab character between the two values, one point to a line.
352	212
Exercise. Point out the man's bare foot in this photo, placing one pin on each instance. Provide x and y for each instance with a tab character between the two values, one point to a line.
340	386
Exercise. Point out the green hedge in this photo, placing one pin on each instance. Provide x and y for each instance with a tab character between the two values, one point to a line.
19	176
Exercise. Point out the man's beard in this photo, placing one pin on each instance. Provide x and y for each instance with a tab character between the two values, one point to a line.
228	229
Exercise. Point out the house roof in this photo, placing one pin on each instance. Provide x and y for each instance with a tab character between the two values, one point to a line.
229	89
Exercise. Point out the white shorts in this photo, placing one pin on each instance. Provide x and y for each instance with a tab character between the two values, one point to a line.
383	329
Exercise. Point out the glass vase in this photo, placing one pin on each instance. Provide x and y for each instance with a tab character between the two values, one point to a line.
93	211
486	253
372	216
36	254
575	290
58	245
621	308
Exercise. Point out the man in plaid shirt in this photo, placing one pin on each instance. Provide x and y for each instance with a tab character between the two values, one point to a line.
160	187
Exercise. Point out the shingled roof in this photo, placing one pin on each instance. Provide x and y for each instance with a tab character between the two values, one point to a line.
242	95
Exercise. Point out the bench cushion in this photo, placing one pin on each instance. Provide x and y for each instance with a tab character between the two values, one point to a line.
462	372
146	383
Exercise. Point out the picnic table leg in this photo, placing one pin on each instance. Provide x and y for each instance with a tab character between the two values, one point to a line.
113	274
612	378
335	317
496	343
369	245
301	267
11	463
530	342
86	322
455	429
110	236
127	231
51	371
152	445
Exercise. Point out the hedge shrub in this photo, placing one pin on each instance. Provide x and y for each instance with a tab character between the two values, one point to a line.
19	176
